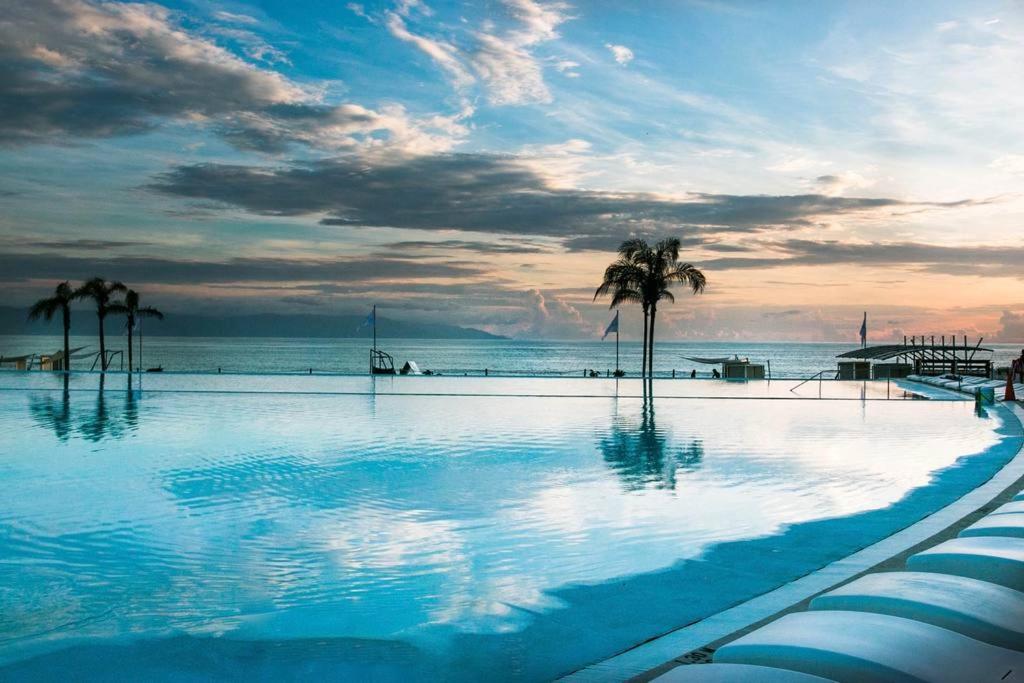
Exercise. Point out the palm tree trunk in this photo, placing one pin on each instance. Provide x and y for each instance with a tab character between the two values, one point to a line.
650	344
130	321
643	360
67	345
103	346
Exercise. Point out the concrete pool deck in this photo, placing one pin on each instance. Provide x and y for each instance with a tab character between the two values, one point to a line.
696	642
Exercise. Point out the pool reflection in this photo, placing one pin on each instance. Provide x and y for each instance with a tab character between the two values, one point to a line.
643	455
114	413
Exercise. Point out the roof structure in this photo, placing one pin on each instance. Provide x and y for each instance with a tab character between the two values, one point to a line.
888	351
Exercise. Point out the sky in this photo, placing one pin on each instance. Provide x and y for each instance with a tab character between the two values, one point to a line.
478	163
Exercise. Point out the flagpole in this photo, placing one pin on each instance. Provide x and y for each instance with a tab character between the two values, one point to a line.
375	328
616	343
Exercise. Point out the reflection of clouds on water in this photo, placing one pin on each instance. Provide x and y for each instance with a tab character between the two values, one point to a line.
265	516
643	455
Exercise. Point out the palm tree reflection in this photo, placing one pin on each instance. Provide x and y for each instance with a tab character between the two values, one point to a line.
643	455
103	422
52	413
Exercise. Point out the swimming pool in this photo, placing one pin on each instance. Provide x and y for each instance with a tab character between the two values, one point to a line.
238	526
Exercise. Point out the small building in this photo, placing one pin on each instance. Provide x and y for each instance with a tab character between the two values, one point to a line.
854	369
742	369
735	367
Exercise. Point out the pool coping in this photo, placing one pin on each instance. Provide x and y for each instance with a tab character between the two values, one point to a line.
673	648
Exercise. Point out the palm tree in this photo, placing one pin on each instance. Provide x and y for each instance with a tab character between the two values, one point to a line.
662	270
100	291
132	311
46	308
622	280
645	275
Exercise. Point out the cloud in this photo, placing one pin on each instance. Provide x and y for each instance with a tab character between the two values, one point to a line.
1009	163
497	194
552	318
836	184
71	244
622	54
21	267
932	257
1011	327
500	247
444	54
567	67
98	70
233	18
503	61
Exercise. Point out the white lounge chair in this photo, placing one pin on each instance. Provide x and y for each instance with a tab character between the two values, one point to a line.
861	647
1012	506
735	673
1006	524
996	559
977	609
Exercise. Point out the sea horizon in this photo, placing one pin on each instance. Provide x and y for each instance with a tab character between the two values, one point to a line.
516	357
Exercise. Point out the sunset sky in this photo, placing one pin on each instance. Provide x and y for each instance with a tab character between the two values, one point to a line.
478	163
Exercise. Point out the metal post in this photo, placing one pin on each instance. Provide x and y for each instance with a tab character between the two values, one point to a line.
616	344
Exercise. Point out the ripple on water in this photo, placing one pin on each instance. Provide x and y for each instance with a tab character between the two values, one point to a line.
413	518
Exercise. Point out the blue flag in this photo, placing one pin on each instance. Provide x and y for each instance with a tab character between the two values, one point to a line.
864	329
613	326
370	319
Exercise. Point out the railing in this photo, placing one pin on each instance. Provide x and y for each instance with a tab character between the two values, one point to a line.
817	375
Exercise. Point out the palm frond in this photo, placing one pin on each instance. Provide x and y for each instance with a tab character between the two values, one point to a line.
149	312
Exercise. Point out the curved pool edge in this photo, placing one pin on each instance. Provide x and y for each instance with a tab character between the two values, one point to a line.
684	645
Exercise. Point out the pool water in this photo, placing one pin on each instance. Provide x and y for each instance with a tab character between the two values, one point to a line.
201	529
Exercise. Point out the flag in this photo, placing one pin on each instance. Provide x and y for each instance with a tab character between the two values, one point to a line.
370	319
613	326
864	329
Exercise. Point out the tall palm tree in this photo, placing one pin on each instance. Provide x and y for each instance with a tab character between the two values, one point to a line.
622	280
46	308
133	312
663	270
100	291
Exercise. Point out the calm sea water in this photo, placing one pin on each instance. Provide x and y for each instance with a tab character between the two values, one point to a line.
244	527
273	355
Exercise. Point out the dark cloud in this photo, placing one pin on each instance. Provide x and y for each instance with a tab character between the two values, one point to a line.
931	257
493	194
71	244
73	69
500	247
19	267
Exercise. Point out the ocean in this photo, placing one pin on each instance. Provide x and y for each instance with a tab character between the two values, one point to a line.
448	357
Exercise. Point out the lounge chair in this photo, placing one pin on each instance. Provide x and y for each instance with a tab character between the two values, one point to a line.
1011	507
864	648
977	609
996	559
734	673
1005	524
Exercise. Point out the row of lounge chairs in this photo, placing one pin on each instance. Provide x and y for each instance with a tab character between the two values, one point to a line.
966	384
956	614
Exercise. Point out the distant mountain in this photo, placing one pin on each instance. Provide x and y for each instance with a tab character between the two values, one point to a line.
13	321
